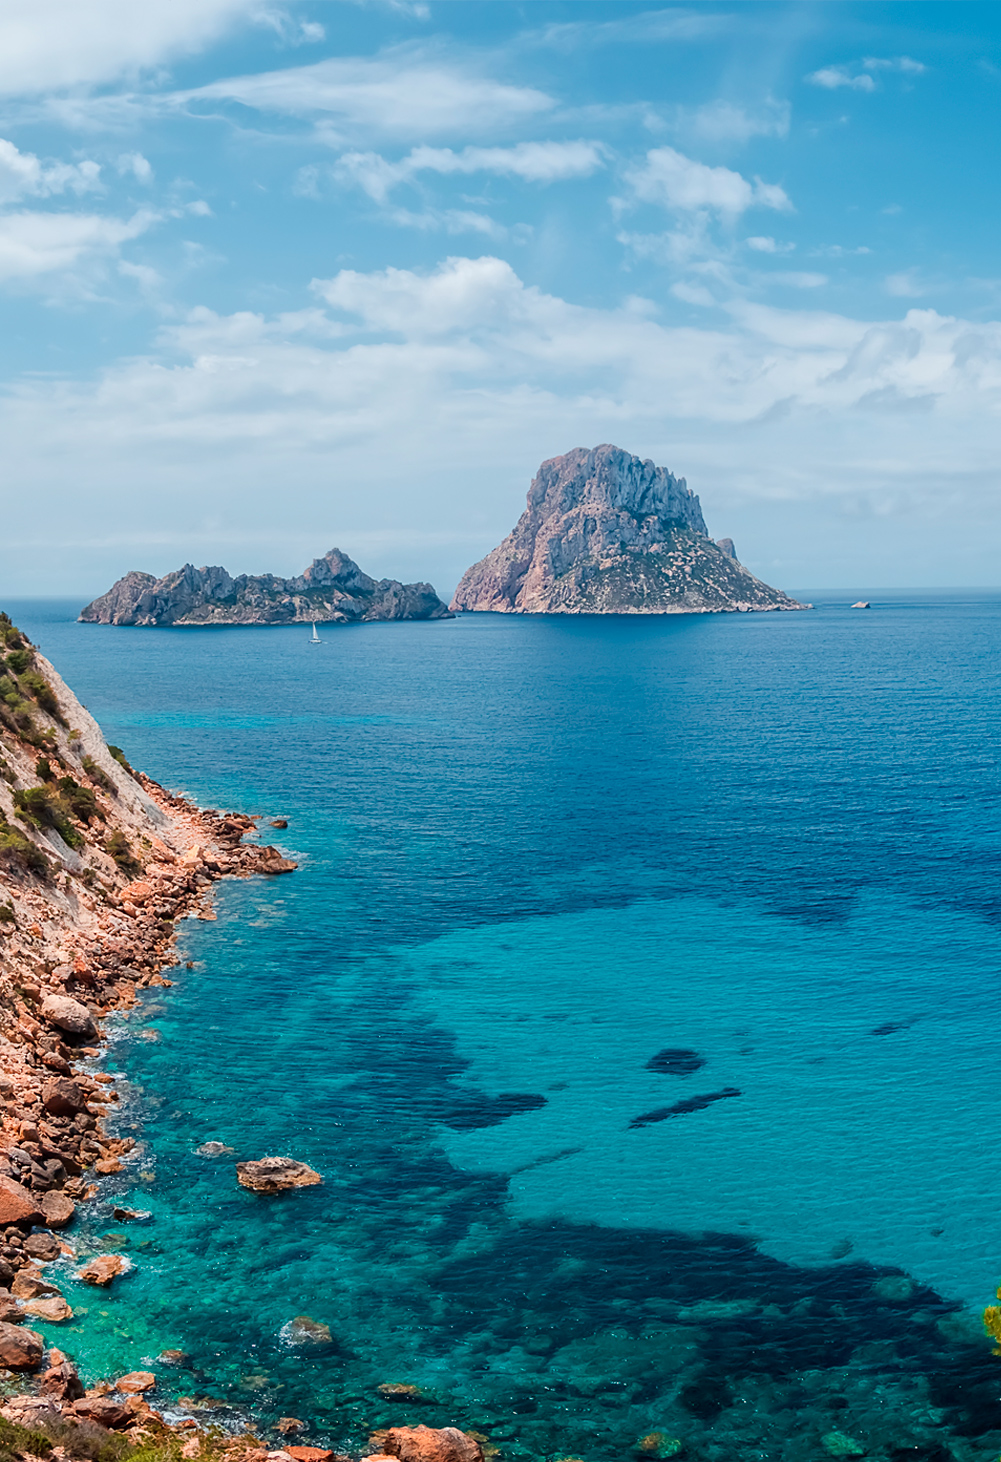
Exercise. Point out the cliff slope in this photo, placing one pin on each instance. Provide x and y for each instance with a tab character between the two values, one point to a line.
607	533
333	590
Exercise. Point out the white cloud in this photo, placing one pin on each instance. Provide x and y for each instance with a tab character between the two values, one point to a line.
33	244
833	77
904	64
535	162
766	245
22	175
428	399
52	44
137	165
669	178
904	285
722	121
398	95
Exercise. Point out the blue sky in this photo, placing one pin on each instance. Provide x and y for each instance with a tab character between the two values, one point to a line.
276	277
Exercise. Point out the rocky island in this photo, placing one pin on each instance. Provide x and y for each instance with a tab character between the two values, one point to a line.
333	590
607	533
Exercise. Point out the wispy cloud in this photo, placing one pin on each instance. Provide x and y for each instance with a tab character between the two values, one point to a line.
23	175
724	121
34	244
861	75
533	162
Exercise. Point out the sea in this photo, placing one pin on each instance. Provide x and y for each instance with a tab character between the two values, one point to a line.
637	997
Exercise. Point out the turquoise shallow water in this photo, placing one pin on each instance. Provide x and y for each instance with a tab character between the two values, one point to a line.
535	853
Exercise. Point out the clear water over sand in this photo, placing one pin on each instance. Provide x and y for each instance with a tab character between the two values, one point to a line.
534	854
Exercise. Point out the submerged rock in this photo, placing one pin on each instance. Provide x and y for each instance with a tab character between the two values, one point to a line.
304	1332
676	1061
401	1391
132	1215
275	1175
214	1149
680	1109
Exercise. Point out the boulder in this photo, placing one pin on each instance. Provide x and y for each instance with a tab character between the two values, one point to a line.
17	1205
61	1380
275	1175
57	1208
428	1444
33	1412
136	1383
44	1246
68	1015
112	1414
20	1350
10	1310
102	1270
288	1426
48	1307
63	1097
310	1454
28	1284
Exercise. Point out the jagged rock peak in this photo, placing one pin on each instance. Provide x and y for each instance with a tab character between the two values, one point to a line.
608	533
333	590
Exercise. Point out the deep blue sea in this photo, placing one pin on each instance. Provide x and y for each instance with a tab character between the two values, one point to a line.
637	997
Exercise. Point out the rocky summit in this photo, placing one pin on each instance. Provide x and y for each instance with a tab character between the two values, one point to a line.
333	590
607	533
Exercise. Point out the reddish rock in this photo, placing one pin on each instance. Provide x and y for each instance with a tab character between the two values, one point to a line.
57	1208
20	1350
104	1411
289	1425
401	1391
63	1098
275	1175
69	1015
42	1246
17	1205
55	1062
136	1382
49	1307
61	1380
108	1165
103	1269
310	1454
28	1284
428	1444
10	1310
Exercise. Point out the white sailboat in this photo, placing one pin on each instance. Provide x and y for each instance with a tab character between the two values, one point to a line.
316	638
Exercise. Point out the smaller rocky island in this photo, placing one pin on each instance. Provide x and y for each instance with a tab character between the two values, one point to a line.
333	590
608	533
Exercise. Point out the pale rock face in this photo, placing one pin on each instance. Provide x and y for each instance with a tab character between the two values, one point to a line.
333	590
607	533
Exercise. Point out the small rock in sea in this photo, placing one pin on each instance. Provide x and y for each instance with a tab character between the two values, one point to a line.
57	1208
173	1358
427	1444
401	1391
862	604
279	822
106	1166
20	1350
304	1332
894	1287
676	1061
288	1426
214	1149
659	1444
102	1270
49	1307
131	1215
136	1383
275	1174
837	1444
68	1015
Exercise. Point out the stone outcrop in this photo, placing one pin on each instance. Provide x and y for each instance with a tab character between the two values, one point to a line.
333	590
275	1175
607	533
426	1444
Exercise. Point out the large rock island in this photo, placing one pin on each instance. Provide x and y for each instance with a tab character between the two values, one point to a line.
607	533
333	590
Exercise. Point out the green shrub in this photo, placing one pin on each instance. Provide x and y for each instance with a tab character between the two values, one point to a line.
118	846
7	915
46	807
19	660
119	755
39	687
16	848
43	769
96	774
81	801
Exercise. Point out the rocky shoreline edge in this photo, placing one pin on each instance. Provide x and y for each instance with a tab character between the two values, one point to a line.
98	863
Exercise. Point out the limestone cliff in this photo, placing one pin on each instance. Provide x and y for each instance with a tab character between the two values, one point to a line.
333	590
607	533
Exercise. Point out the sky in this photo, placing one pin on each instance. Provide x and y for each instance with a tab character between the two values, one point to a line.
276	277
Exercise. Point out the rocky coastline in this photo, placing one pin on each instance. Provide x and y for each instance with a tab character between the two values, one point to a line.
97	864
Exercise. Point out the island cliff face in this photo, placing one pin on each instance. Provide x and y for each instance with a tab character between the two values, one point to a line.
607	533
333	590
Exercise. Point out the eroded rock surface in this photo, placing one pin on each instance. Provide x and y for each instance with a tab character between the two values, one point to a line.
333	590
275	1175
607	533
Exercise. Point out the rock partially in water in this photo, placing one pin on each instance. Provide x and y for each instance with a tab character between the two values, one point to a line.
679	1109
136	1383
427	1444
173	1358
214	1149
20	1350
131	1215
57	1208
275	1175
52	1308
68	1015
28	1284
102	1270
676	1061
